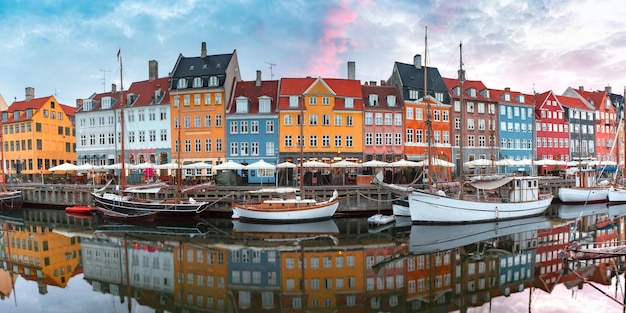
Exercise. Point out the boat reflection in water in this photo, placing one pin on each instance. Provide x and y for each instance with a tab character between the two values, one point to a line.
334	265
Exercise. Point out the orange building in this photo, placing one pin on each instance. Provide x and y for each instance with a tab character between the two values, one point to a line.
333	119
38	132
200	87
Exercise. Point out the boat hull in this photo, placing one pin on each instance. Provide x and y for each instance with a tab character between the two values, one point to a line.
252	212
430	208
583	195
117	203
617	195
11	200
400	207
135	216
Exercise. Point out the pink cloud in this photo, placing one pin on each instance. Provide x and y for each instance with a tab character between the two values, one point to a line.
334	41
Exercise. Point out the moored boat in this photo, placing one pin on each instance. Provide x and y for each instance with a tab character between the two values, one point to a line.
79	209
292	209
583	195
380	219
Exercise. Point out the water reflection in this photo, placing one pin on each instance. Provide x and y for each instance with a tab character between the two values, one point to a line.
336	265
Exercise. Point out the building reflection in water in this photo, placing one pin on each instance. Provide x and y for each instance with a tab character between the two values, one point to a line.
337	265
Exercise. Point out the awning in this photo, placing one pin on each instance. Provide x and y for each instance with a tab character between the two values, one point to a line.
101	156
492	184
81	156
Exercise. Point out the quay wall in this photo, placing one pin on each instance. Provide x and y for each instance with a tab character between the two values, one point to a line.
354	199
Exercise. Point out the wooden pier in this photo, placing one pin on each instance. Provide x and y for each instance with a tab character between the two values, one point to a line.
355	199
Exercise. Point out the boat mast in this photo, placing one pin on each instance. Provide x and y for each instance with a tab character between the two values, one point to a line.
462	116
4	184
122	137
429	122
179	170
301	144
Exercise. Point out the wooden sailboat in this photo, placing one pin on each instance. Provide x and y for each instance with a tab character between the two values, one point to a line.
496	198
8	199
126	204
291	208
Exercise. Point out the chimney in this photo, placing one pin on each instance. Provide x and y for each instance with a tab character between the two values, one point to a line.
581	88
351	70
417	61
258	78
507	89
113	88
30	93
383	82
79	103
608	89
153	70
203	51
372	83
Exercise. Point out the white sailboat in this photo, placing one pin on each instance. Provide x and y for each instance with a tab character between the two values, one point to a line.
293	208
496	198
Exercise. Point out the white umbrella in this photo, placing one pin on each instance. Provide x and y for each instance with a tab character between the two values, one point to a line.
65	167
167	166
117	166
435	162
143	166
506	162
88	167
478	162
524	162
315	164
286	165
230	165
405	163
546	162
260	165
375	163
345	164
198	165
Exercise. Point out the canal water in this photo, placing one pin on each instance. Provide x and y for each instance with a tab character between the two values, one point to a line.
53	262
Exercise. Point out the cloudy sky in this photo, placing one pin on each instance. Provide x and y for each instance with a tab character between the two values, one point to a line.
68	48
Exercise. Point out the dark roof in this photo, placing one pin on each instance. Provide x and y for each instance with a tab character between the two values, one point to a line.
413	78
211	65
250	90
382	92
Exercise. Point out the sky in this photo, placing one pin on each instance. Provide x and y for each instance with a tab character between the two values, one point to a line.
68	48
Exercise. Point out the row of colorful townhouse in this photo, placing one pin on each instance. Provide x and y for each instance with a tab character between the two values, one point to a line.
204	111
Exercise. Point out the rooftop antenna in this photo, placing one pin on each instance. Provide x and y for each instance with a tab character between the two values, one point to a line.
271	70
104	80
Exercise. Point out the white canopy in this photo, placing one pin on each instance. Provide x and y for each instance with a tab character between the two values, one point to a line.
143	166
260	165
286	165
506	162
65	167
435	162
375	163
117	166
229	165
89	167
315	164
198	165
478	162
167	166
345	164
405	163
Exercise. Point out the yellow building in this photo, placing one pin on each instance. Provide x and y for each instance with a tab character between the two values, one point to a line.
200	88
38	132
333	118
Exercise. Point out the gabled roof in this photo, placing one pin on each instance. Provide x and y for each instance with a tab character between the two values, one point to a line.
250	90
573	103
145	92
593	98
36	104
205	67
478	85
414	77
514	97
341	88
383	92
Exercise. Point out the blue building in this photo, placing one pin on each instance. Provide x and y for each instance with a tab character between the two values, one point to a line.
516	118
252	128
254	277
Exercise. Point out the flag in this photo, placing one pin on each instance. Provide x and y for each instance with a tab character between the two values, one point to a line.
118	54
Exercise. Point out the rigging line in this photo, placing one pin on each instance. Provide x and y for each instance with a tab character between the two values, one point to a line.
585	280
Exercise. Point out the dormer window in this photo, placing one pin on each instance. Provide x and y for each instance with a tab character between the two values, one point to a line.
192	67
219	65
607	104
293	101
204	66
349	103
472	92
439	96
373	100
507	97
5	117
456	90
265	104
242	105
484	93
213	81
197	82
106	102
16	115
29	113
391	101
521	98
88	104
182	83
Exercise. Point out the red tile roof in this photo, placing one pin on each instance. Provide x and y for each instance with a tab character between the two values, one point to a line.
144	90
572	102
341	88
36	104
250	90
